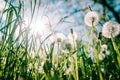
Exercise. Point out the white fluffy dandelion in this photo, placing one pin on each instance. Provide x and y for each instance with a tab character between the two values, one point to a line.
91	18
41	70
103	70
104	47
101	56
107	53
104	50
110	29
57	37
67	44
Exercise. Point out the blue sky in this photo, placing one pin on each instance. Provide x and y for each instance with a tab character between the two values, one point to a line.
51	12
50	16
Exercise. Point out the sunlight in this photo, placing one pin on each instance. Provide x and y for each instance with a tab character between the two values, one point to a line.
2	5
59	40
39	28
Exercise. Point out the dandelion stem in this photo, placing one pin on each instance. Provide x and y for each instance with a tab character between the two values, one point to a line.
76	67
77	78
117	51
95	52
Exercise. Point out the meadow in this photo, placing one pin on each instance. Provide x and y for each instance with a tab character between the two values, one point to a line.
25	56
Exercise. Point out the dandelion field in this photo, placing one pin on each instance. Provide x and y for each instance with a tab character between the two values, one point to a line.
25	55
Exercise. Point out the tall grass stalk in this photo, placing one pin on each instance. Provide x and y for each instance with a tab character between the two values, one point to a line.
116	50
95	51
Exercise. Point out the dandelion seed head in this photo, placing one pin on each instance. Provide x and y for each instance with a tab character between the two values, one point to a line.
4	60
41	70
101	56
66	45
110	29
107	52
57	37
104	47
102	69
91	18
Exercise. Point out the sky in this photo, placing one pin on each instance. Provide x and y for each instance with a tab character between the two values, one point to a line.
50	16
51	13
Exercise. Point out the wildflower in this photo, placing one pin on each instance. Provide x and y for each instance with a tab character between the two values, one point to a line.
101	56
104	50
29	67
67	45
91	18
41	70
102	69
57	37
104	47
107	52
110	29
3	60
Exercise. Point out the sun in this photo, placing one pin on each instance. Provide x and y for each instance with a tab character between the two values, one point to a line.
39	27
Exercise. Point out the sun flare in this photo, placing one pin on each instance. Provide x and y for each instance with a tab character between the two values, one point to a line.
39	28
